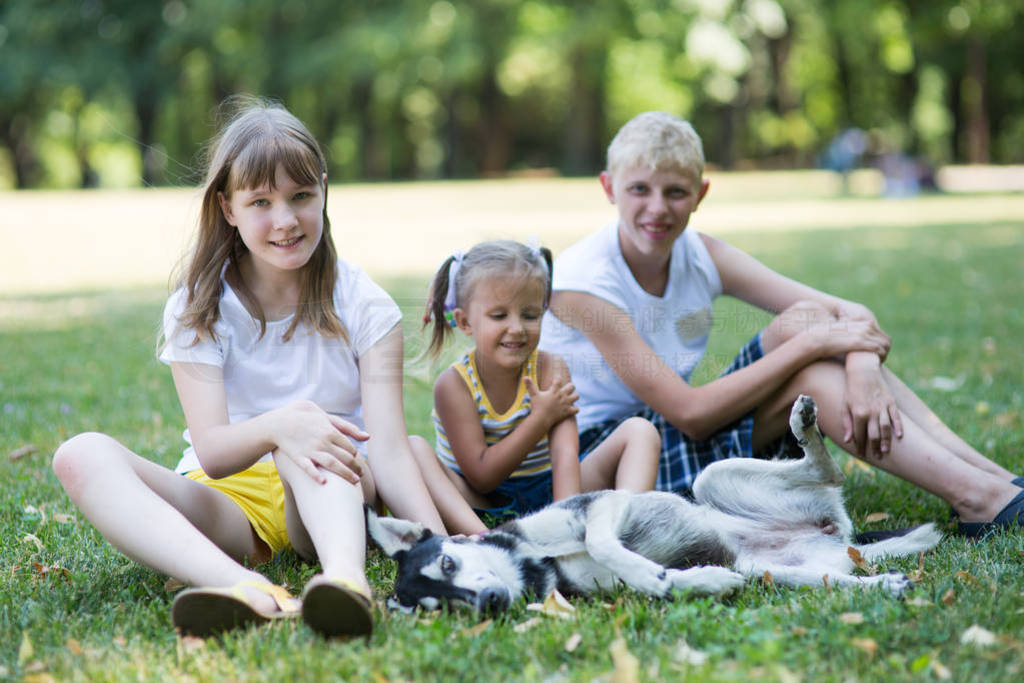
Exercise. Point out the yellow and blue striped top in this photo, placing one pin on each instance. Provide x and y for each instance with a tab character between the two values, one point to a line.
496	426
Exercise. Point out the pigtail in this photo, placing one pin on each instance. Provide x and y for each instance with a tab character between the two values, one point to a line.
545	254
435	313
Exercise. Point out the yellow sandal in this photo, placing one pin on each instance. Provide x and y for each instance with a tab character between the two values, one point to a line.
337	608
206	611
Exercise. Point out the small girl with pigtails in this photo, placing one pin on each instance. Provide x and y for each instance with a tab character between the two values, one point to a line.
504	412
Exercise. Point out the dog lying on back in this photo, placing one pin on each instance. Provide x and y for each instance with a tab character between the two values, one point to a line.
749	517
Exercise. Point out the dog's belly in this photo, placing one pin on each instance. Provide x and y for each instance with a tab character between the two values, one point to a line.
794	546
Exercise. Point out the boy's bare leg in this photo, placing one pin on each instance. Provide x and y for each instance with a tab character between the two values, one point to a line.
976	494
920	413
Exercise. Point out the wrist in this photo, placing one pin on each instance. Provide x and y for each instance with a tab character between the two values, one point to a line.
862	361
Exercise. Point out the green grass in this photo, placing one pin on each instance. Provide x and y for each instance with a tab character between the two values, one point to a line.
951	296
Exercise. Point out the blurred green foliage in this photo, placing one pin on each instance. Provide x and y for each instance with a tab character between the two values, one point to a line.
121	92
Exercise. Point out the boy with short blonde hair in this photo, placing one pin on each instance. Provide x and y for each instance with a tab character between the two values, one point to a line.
659	141
631	313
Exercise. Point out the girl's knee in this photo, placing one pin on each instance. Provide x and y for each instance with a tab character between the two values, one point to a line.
638	429
81	455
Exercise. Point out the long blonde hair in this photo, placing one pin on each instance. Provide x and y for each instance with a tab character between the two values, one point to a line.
260	136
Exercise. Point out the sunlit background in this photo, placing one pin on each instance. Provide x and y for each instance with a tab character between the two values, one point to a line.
121	93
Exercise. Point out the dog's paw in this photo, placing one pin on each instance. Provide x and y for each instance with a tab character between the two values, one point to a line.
894	583
706	580
803	415
653	582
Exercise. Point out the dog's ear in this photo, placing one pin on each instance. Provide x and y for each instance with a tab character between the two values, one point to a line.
393	535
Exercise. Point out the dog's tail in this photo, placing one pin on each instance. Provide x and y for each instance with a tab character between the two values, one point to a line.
895	542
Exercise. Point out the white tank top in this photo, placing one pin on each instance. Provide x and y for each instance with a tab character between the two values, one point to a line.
676	325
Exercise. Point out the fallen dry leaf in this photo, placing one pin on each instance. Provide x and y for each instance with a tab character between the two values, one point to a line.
32	538
627	666
62	518
876	517
474	631
858	559
918	601
44	570
851	618
573	642
37	674
768	579
867	645
966	577
172	584
554	605
119	641
798	630
74	647
949	597
525	626
976	635
826	584
19	453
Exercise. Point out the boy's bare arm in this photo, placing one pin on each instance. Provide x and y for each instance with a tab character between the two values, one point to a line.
696	411
870	417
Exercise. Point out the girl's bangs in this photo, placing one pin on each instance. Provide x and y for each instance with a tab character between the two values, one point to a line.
256	164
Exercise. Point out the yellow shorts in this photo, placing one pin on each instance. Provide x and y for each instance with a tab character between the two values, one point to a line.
260	493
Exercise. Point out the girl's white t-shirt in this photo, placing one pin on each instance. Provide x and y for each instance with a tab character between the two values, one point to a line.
676	326
261	374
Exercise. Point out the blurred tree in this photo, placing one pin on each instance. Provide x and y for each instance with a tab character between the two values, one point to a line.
413	89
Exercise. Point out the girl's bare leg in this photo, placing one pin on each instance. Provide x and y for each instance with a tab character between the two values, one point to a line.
159	518
627	459
451	494
325	521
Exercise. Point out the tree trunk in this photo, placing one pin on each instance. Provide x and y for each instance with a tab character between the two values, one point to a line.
18	140
584	135
974	95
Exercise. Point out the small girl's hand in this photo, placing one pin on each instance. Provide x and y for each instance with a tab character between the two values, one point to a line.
316	440
555	403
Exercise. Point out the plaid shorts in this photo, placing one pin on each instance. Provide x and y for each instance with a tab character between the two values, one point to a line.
683	458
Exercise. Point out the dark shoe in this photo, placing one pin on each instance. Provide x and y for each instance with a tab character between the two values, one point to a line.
336	607
877	535
205	612
1010	516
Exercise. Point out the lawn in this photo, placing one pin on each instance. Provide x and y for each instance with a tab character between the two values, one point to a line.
949	291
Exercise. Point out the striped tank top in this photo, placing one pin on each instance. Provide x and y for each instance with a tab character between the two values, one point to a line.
496	426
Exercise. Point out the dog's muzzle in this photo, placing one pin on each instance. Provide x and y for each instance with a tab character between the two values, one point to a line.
493	600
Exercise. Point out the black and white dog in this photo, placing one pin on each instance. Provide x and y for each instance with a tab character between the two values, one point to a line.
750	517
